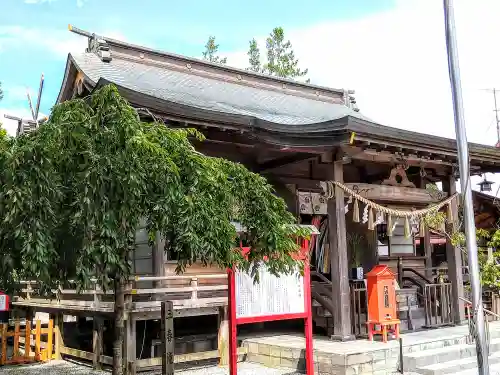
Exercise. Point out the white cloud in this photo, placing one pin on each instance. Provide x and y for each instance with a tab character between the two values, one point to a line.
396	61
15	93
79	3
59	42
38	1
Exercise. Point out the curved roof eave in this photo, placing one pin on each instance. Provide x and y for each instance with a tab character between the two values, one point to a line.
325	134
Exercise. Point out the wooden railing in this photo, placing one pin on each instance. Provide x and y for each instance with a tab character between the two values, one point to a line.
437	300
23	340
138	297
359	309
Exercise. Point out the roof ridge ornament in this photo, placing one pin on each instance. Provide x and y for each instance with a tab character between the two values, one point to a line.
99	46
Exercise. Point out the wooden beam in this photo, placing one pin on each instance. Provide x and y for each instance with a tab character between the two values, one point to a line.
359	153
183	358
339	267
285	160
454	259
395	193
85	355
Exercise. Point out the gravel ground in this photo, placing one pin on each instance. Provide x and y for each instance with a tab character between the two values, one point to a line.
67	368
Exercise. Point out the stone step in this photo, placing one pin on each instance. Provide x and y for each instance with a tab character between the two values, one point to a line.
454	367
494	370
414	361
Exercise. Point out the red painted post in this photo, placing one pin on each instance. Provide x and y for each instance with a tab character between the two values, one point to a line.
233	342
308	324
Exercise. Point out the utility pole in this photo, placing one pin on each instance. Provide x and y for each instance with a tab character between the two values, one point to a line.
496	116
465	183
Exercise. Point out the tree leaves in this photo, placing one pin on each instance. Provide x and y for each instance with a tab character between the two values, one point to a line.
254	57
211	50
281	60
75	191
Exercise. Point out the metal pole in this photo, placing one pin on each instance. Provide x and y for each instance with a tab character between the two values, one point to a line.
463	158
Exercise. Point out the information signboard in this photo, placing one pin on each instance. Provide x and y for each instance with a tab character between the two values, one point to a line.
4	302
272	298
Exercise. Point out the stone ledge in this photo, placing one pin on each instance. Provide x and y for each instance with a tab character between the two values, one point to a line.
289	352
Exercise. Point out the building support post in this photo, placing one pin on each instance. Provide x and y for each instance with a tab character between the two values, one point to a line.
159	259
59	334
130	342
97	343
454	260
342	330
223	336
427	252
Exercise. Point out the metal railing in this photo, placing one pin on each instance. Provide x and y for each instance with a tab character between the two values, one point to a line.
472	328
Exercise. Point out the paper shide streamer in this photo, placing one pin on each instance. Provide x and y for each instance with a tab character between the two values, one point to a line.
411	218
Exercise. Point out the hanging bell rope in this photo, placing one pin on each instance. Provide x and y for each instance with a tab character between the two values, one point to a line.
329	188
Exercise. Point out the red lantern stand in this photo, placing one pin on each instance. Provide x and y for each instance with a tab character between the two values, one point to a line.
235	321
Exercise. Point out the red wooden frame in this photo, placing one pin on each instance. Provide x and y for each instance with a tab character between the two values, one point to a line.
306	315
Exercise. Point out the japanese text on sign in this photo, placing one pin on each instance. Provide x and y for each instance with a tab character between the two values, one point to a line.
270	296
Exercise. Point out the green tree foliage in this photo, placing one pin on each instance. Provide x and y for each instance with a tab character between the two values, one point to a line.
281	61
73	194
75	190
489	267
254	57
211	52
1	91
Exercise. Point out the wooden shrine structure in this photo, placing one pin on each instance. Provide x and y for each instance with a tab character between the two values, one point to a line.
296	135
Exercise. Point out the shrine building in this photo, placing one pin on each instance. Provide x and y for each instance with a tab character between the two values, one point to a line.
363	185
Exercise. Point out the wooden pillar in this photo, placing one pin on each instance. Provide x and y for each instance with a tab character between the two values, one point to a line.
159	259
342	330
167	338
427	253
58	335
130	350
30	314
454	260
223	337
97	341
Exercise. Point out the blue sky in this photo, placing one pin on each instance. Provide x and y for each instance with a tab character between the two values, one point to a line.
34	36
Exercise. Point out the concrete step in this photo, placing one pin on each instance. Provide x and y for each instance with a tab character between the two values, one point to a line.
414	361
454	367
494	370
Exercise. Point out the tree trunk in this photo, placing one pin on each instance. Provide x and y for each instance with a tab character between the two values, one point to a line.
119	328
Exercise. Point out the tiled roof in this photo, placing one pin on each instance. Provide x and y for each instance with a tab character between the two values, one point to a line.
212	94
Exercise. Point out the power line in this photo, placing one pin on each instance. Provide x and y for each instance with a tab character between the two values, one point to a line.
496	110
